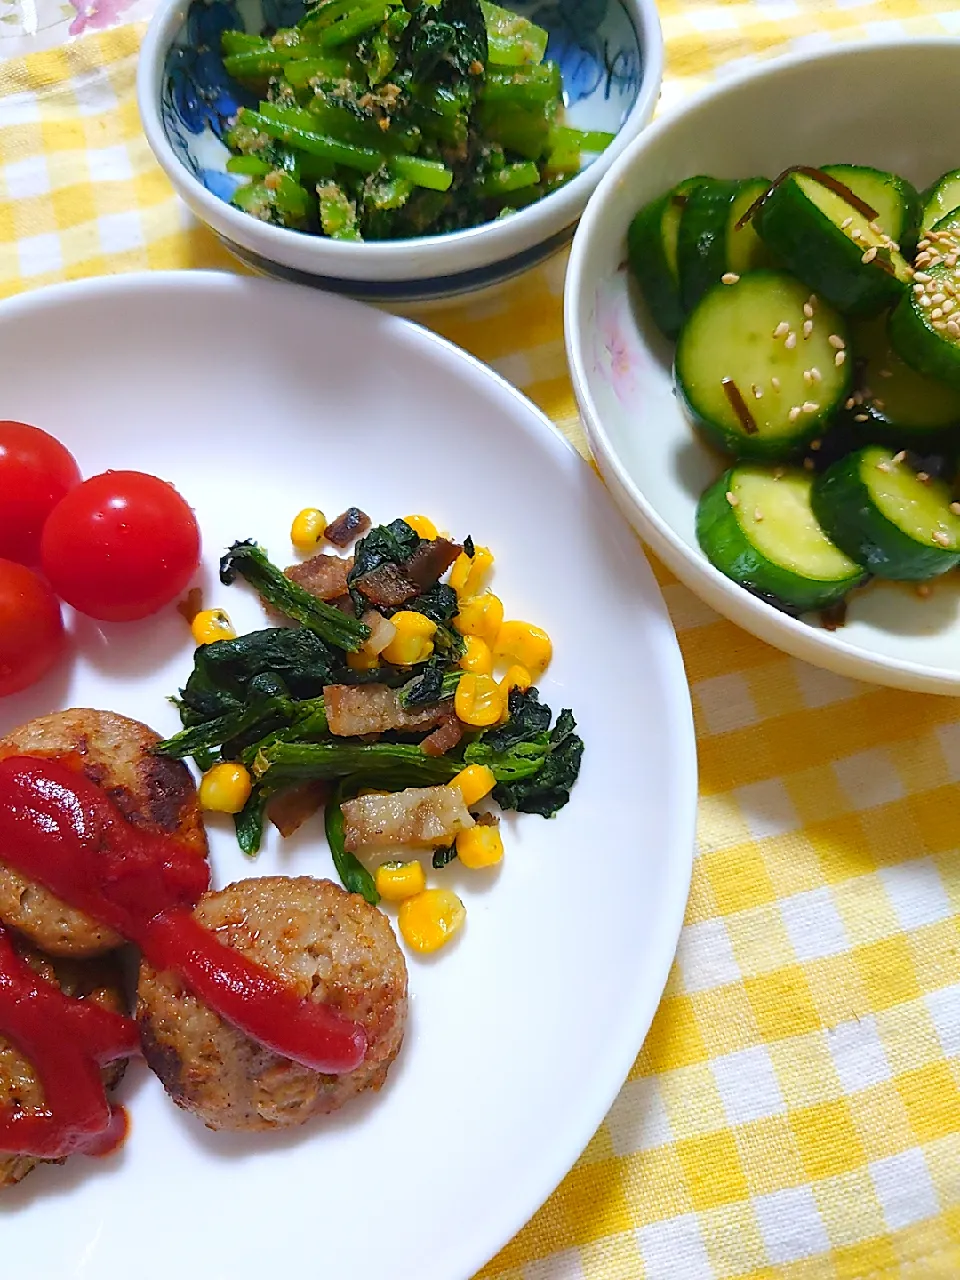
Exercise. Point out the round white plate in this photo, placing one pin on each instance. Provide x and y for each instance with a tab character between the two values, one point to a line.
863	104
256	399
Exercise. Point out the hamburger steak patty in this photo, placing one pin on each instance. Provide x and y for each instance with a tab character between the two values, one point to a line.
20	1088
327	945
153	793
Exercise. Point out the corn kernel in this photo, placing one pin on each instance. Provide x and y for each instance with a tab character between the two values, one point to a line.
517	677
210	625
474	782
413	641
422	526
225	788
430	919
306	532
480	846
398	880
478	700
482	616
468	572
363	660
525	644
477	656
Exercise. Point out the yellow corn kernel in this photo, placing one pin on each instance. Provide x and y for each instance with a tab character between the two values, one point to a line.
482	616
478	700
210	625
517	677
225	788
474	782
363	660
398	880
306	532
480	846
413	641
430	919
525	644
468	572
422	526
477	656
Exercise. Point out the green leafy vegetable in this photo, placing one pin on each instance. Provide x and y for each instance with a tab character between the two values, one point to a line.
447	37
354	876
443	856
403	763
432	685
250	561
249	823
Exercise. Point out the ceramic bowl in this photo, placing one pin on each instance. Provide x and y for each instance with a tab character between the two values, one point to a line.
865	104
611	56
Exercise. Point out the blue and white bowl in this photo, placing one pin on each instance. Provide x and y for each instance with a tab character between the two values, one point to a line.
611	56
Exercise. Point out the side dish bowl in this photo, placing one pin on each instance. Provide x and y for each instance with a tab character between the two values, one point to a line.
611	56
869	104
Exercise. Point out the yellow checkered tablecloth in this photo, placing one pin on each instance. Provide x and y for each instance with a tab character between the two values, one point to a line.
795	1111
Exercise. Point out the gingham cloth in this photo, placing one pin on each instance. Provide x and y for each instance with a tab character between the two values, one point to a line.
795	1111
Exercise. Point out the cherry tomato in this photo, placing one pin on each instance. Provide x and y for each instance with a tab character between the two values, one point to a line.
31	628
35	472
120	546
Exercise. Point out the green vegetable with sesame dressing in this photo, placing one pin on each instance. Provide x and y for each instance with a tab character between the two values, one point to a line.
404	118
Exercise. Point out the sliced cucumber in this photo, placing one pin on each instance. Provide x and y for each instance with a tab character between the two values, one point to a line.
768	540
894	198
877	509
743	385
893	404
925	326
710	243
652	254
824	240
940	199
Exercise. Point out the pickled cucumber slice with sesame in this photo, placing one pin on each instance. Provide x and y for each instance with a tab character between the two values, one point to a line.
940	199
831	244
891	403
710	242
761	365
652	255
879	511
925	326
757	527
895	200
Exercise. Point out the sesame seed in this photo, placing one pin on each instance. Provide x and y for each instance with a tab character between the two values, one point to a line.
808	377
781	329
794	413
845	223
901	456
884	467
836	342
953	329
940	538
815	444
886	373
807	329
922	277
807	310
923	590
875	227
924	300
923	477
938	298
861	417
811	302
733	499
955	508
936	313
757	391
879	404
939	325
869	255
757	514
849	402
775	383
856	234
924	243
922	260
810	406
936	260
808	464
951	259
948	305
858	397
839	358
790	341
815	374
729	277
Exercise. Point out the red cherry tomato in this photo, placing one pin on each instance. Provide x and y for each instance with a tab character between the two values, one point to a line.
120	546
31	628
35	472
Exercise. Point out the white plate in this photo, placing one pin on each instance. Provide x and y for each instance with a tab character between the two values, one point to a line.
864	104
257	399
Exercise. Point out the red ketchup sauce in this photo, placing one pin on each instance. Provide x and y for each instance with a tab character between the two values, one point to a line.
62	831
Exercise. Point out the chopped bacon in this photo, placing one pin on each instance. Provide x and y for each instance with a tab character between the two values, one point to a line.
325	577
431	560
355	710
289	810
388	585
420	817
444	738
350	524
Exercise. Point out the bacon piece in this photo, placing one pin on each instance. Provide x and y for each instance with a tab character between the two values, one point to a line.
289	810
325	577
389	585
431	560
355	710
420	817
350	524
444	738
